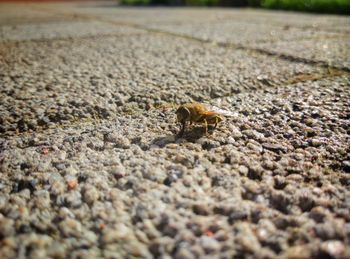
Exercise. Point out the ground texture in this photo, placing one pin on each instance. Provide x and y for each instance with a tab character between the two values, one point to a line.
90	164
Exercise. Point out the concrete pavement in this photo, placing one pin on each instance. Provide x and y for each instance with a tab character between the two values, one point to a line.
90	162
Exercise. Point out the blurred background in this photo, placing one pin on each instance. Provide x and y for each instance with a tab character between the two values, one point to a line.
314	6
322	6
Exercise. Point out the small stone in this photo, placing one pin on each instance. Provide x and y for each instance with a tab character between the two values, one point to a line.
295	178
243	170
65	213
72	184
57	188
268	164
253	134
60	166
274	147
235	133
183	253
255	147
61	155
91	194
6	227
316	142
45	151
187	180
70	227
57	250
118	233
325	231
117	171
297	252
318	214
209	244
247	238
167	141
42	199
333	248
138	249
122	142
70	199
237	215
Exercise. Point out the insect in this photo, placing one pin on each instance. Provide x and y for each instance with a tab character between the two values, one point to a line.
198	113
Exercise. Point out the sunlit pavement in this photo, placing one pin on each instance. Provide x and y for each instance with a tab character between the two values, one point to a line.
91	163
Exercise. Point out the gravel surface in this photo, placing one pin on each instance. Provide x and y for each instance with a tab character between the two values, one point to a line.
101	77
91	167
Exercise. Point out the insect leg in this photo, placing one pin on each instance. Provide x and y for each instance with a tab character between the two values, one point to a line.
216	122
183	124
206	126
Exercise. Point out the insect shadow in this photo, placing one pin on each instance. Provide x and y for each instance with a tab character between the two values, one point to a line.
195	132
191	135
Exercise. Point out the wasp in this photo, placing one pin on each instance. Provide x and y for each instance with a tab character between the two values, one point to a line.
197	113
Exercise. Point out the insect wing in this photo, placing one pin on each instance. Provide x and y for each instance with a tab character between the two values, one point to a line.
223	112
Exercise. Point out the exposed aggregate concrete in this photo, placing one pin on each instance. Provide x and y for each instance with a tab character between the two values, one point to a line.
107	75
91	167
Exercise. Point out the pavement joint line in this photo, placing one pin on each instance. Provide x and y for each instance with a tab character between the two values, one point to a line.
320	37
265	52
308	27
300	78
291	58
92	37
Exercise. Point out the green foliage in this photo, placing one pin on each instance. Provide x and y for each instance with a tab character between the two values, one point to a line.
324	6
254	2
135	2
202	2
194	2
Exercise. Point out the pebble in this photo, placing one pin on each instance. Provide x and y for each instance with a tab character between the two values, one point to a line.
253	134
65	213
333	248
209	244
119	140
318	214
243	170
91	194
119	232
70	227
7	227
274	147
